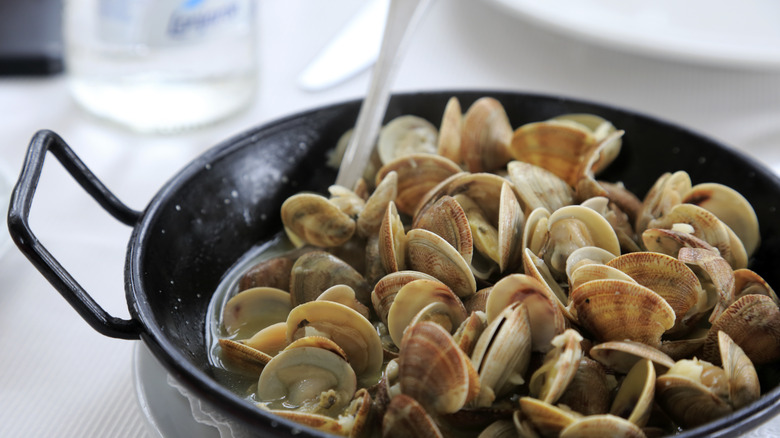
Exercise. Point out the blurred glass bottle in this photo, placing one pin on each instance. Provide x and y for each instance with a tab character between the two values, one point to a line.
161	65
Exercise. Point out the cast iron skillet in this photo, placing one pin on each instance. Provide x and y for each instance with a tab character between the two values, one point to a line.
188	237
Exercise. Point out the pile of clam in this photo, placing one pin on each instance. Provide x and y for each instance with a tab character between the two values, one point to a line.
480	281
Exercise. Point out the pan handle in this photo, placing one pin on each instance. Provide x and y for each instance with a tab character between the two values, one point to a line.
18	225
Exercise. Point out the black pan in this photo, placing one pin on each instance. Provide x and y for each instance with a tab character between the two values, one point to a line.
188	237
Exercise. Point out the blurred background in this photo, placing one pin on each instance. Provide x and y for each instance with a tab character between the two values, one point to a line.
715	70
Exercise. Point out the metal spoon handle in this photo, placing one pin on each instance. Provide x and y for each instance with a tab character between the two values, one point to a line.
402	17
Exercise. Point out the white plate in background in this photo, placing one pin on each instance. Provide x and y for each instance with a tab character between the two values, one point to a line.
166	410
726	33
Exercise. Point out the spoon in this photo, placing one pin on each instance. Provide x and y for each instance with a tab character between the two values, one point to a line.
402	17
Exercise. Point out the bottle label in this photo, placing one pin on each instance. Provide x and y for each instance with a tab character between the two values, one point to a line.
170	22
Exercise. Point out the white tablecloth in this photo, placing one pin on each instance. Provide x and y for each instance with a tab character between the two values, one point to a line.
58	377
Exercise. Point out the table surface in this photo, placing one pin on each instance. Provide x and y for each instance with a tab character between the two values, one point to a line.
58	377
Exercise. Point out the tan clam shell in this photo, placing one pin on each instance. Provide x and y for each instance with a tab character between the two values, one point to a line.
719	272
685	394
619	221
370	218
538	187
593	271
744	386
587	255
549	420
469	330
431	254
557	146
502	353
510	230
352	423
730	207
617	310
485	136
669	242
392	240
483	232
550	380
349	329
589	391
753	322
415	296
434	194
315	220
546	319
252	310
535	231
599	126
707	227
406	135
668	277
343	294
621	356
417	175
324	371
482	188
573	227
274	272
446	218
243	358
747	282
667	191
634	399
269	340
450	129
597	426
346	200
536	268
388	286
433	370
406	418
316	271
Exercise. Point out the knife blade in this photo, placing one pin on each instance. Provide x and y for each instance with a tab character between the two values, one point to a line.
351	51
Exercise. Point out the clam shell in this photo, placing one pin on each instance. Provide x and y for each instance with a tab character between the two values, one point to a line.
753	322
434	371
560	365
417	175
406	418
370	218
415	296
549	420
544	314
388	286
315	220
588	392
668	277
634	399
621	356
279	385
617	310
537	187
730	207
252	310
406	135
429	253
687	400
597	426
349	329
450	129
446	218
316	271
392	240
502	353
486	135
744	386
